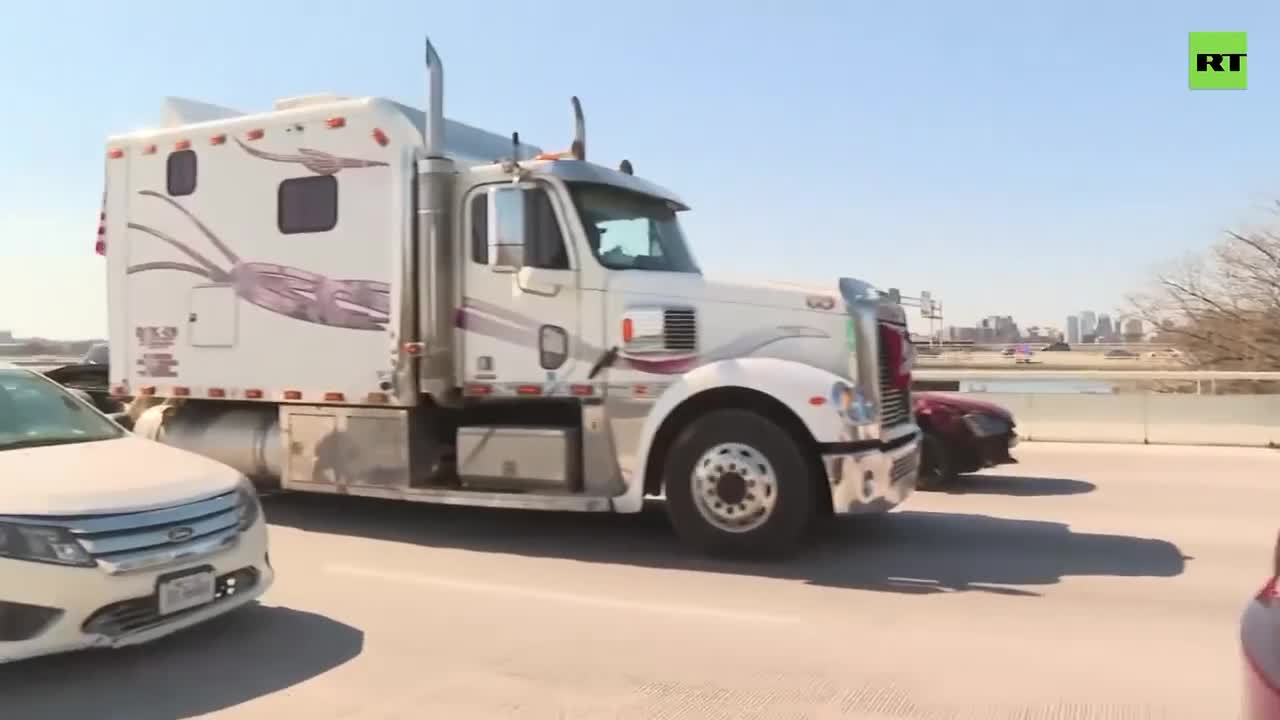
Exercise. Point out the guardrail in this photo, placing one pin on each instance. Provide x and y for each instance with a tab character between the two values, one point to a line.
1138	417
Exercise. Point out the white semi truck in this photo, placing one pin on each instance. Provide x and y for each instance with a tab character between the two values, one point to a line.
347	295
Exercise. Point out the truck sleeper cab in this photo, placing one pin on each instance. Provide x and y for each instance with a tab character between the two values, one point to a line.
532	332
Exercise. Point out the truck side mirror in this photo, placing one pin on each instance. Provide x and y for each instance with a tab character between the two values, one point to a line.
508	228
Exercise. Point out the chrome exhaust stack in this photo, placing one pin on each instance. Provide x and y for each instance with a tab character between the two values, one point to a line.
435	103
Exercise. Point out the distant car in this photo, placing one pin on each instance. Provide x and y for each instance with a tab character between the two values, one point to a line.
1260	640
108	539
90	375
1007	352
961	435
1056	347
99	354
1120	354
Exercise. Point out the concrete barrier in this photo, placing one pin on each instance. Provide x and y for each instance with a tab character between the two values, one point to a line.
1248	420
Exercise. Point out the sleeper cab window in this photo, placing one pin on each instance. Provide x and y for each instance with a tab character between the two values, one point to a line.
180	173
308	204
480	229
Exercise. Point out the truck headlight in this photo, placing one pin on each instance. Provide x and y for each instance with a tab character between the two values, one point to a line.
42	543
248	507
852	404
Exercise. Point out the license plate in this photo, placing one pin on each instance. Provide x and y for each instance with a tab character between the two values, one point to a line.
186	592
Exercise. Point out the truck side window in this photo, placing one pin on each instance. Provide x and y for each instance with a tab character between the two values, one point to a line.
546	243
307	204
480	229
180	173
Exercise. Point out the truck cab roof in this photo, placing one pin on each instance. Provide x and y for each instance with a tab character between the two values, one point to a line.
584	172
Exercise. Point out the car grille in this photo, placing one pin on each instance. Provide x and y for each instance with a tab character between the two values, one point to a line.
139	614
895	404
154	538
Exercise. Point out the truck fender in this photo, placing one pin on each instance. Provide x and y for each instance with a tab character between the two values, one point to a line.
804	389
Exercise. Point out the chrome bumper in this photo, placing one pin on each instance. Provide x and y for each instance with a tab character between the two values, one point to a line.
873	480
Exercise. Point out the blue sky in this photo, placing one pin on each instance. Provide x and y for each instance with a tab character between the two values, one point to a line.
1025	158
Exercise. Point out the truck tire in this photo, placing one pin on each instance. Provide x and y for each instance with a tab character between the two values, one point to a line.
738	484
937	469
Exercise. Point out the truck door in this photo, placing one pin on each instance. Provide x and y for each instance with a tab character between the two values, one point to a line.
520	318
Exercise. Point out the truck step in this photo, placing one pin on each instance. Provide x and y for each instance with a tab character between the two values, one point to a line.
564	502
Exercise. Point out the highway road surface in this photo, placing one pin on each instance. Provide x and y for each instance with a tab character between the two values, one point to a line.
1087	583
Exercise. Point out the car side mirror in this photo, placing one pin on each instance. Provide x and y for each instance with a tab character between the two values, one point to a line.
508	228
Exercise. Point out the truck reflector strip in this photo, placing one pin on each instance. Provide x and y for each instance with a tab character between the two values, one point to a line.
182	145
149	149
334	123
529	390
334	397
147	390
377	398
582	390
179	391
478	389
292	394
255	134
380	137
217	393
253	394
219	139
115	153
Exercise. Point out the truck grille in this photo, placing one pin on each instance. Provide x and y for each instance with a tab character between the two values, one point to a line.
895	404
904	467
680	330
154	538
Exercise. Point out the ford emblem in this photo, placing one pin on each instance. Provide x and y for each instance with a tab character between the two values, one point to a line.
179	534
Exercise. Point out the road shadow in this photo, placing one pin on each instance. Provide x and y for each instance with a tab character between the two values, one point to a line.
212	667
1017	486
908	552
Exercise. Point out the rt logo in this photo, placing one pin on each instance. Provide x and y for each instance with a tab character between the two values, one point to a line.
1219	61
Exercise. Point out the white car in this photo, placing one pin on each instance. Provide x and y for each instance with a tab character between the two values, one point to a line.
107	539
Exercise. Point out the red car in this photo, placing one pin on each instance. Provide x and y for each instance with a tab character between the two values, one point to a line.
1260	639
961	435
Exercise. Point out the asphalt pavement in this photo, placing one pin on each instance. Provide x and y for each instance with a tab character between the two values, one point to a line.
1087	582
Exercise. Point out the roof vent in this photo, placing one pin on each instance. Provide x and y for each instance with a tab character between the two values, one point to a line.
299	101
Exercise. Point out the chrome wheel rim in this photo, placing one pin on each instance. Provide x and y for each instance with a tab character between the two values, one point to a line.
734	487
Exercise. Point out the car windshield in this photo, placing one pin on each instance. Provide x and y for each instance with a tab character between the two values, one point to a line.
631	231
35	411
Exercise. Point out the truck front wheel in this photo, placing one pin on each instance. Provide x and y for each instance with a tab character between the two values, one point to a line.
737	483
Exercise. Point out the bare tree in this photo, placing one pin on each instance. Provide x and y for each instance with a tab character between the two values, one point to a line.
1222	309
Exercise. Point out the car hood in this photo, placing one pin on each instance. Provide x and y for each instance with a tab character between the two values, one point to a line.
128	474
959	403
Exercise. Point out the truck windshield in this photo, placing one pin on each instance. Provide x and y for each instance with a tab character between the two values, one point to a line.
631	231
35	412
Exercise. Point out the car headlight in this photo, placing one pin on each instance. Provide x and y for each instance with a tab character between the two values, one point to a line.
248	507
42	543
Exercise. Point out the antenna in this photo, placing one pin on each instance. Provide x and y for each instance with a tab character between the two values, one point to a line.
625	168
513	165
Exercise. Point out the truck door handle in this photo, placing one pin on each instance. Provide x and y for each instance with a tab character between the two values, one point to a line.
539	281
